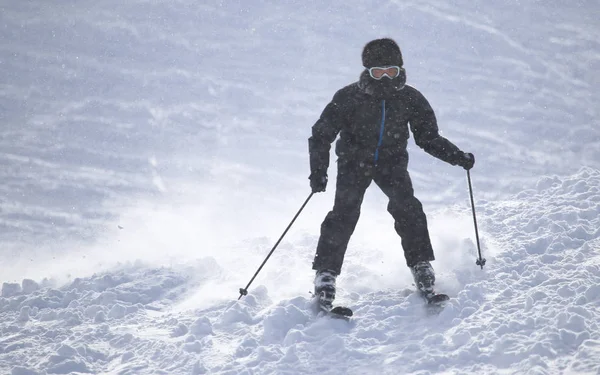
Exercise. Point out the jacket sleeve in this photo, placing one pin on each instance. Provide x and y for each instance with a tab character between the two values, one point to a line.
423	125
324	132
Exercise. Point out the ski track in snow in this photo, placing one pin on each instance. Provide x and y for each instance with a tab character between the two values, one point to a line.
534	309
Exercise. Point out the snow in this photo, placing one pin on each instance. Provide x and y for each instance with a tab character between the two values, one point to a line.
154	152
535	308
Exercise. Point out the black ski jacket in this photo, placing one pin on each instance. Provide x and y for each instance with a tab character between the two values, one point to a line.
373	128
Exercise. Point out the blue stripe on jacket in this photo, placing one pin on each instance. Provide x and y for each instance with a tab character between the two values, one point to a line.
381	130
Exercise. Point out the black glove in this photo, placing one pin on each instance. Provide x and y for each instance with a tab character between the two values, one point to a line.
318	181
466	160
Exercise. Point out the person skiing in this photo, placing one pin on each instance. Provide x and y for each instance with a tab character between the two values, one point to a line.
372	117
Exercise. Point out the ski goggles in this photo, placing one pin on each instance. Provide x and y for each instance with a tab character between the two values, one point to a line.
378	72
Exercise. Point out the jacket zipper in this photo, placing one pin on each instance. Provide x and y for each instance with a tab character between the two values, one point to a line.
381	131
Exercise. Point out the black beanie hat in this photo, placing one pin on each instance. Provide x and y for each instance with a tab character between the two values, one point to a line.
381	52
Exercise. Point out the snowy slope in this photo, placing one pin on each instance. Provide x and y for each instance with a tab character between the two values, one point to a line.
104	104
535	309
153	152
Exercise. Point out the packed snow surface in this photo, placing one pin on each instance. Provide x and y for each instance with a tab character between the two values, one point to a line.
153	152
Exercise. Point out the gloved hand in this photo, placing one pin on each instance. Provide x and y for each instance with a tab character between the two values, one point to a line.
466	160
318	181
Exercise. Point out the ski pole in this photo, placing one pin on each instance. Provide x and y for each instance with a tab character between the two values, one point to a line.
480	261
244	291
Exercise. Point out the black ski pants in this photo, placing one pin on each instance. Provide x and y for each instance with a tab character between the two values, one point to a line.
352	182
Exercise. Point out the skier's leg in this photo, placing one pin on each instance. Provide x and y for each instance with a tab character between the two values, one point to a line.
339	224
407	210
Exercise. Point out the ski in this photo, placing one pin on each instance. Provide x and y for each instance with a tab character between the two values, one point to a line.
340	312
436	299
435	302
337	312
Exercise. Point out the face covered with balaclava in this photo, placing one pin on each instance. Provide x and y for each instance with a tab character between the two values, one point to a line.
384	75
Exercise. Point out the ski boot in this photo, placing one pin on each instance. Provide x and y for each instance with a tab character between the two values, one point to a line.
325	294
424	280
325	289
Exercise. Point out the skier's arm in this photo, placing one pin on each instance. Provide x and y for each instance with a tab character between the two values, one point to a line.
423	125
324	132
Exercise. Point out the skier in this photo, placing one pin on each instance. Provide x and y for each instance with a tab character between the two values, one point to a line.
373	117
